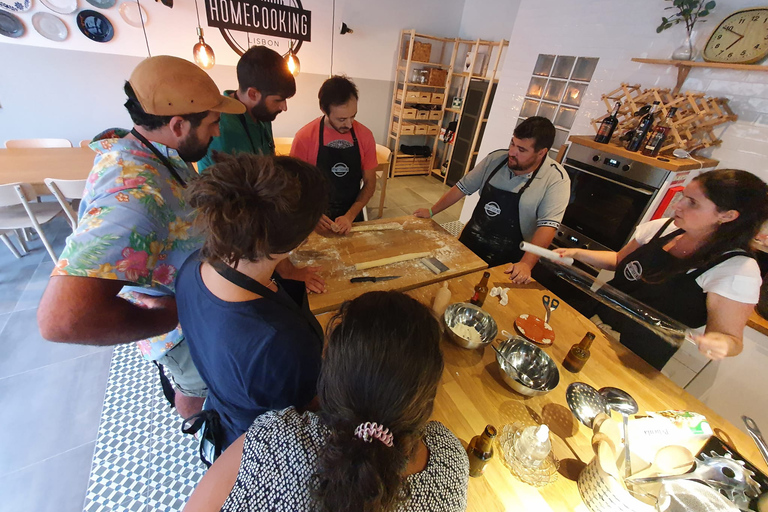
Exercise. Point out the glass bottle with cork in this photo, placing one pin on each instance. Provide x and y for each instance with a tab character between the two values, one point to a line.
642	129
608	125
480	451
481	291
579	354
659	134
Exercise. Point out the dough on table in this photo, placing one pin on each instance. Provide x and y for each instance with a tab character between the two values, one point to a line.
468	333
394	259
376	227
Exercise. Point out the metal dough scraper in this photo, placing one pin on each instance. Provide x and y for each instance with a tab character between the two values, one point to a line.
434	264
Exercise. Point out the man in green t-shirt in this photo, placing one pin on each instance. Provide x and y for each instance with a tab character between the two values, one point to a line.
264	85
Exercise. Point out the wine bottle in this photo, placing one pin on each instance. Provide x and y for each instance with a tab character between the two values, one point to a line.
659	134
481	291
608	125
642	129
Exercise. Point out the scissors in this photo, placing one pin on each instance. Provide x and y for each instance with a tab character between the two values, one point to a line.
550	305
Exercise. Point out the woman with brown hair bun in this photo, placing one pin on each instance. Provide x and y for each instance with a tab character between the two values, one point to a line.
251	334
371	447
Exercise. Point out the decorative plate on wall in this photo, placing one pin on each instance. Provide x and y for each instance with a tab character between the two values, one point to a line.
50	26
16	5
61	6
10	25
102	4
95	26
132	13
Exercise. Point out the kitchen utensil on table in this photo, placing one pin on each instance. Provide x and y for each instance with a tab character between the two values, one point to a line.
536	476
620	401
434	265
692	496
585	402
669	460
464	313
549	305
526	368
724	473
535	329
757	436
671	330
372	279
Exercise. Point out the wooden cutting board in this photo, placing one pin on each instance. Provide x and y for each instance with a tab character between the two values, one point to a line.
337	256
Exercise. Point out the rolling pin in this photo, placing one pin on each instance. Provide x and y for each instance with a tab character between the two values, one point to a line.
545	253
442	299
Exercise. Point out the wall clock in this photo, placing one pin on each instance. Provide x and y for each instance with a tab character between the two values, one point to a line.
741	38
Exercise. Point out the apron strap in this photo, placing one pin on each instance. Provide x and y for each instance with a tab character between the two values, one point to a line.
322	139
527	183
244	122
248	283
164	159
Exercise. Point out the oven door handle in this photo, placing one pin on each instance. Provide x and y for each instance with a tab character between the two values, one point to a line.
642	191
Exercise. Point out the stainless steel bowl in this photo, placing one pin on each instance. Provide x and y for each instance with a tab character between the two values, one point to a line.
473	316
526	368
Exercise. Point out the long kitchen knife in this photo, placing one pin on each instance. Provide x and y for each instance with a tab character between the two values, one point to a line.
371	279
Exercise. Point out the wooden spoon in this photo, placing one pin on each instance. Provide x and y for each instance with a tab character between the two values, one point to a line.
669	460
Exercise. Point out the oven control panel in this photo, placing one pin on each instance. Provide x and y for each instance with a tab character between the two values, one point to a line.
616	165
567	237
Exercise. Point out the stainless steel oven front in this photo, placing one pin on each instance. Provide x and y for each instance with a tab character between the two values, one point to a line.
610	195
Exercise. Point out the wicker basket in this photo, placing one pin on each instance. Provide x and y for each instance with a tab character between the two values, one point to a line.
437	77
421	51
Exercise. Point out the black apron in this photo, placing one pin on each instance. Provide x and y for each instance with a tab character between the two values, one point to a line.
344	171
677	296
493	232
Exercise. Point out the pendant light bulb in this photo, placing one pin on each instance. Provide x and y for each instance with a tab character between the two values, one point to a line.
203	53
294	66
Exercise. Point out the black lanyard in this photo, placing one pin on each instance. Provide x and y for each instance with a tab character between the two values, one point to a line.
167	163
244	122
248	283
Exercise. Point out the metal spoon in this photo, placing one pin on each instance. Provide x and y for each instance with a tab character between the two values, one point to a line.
621	402
585	402
757	436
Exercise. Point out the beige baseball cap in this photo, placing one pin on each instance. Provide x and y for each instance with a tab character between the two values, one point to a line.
170	86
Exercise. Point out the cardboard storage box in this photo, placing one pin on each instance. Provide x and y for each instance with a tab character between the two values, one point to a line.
437	98
422	114
421	129
434	115
433	129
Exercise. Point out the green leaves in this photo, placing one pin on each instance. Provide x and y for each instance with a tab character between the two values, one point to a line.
688	12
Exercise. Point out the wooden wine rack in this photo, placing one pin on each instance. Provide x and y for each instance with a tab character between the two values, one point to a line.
691	128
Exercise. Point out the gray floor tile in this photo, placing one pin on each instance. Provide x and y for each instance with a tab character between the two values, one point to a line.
14	277
394	211
51	410
57	484
24	349
30	297
406	197
3	320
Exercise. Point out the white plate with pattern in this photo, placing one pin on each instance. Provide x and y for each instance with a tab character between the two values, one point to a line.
61	6
16	5
50	26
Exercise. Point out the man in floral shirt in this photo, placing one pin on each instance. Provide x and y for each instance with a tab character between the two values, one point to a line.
114	282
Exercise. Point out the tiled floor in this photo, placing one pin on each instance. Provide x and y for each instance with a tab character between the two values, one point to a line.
52	395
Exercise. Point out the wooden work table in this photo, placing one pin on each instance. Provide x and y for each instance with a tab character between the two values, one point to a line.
472	395
337	255
34	165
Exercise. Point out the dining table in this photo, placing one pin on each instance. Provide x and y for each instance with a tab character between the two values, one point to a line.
337	255
472	394
34	165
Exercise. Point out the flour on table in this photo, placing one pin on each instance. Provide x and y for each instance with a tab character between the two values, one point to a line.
467	332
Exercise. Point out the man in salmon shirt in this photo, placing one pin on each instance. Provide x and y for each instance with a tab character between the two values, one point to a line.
344	150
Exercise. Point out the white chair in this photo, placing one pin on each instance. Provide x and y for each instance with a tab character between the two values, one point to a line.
17	212
38	143
66	191
9	244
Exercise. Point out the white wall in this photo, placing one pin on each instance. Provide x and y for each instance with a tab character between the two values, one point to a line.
73	89
615	32
488	19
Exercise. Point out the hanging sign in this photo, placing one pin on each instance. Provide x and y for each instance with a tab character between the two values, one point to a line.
260	17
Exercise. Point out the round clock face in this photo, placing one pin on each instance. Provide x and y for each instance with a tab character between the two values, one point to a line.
741	38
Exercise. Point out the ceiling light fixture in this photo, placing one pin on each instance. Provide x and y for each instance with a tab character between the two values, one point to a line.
294	66
202	53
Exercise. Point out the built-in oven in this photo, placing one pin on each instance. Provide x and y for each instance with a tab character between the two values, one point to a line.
610	195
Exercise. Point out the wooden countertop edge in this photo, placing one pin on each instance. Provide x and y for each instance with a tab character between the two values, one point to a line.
758	323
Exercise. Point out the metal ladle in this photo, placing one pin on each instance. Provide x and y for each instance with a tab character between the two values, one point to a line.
620	401
585	402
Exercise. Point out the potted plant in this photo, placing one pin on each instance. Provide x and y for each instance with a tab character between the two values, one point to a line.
688	12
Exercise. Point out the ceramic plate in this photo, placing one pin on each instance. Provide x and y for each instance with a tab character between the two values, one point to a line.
15	5
61	6
129	10
10	25
535	329
95	26
102	4
50	26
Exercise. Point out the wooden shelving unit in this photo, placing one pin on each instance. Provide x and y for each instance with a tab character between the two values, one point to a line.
684	67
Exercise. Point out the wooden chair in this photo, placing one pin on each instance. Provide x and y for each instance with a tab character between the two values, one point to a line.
283	146
38	143
17	212
384	155
65	192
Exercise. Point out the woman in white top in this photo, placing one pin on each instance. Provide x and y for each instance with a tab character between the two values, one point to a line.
695	267
371	447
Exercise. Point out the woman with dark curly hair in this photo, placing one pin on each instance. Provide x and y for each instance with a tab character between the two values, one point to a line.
371	447
696	267
250	333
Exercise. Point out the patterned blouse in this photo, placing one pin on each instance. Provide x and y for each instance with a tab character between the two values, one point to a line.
134	224
280	454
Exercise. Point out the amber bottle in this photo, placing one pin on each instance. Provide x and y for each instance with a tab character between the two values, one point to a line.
579	354
481	291
480	451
